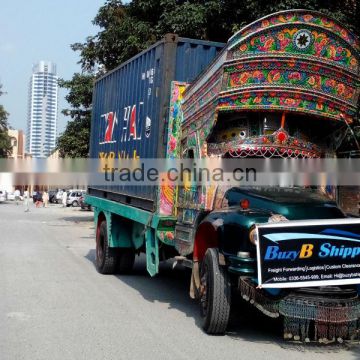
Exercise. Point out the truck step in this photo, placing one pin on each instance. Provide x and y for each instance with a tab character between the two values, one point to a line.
182	260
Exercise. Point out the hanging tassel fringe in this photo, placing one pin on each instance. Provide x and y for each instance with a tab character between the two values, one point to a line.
332	320
308	319
258	298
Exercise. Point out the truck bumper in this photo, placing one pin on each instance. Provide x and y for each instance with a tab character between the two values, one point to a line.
322	314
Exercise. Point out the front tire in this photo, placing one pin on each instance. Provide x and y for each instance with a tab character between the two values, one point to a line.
75	203
215	294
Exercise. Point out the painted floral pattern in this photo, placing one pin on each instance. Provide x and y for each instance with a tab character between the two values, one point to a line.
282	42
204	97
274	100
166	235
167	199
299	17
296	78
266	146
175	119
167	192
265	71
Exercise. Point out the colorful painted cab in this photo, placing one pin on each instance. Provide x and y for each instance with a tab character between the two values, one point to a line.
284	87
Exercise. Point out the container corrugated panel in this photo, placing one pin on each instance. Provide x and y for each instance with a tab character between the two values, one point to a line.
130	103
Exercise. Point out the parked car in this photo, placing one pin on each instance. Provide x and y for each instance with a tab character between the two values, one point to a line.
73	197
11	196
2	195
83	204
58	196
52	196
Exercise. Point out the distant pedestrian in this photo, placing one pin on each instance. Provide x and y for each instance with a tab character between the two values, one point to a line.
37	199
17	196
26	200
45	198
64	198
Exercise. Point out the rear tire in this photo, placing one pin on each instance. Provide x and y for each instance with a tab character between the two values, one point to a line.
125	261
215	294
106	257
75	203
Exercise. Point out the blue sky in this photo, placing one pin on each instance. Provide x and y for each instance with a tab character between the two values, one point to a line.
40	30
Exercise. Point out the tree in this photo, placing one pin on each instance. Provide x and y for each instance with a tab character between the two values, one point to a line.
5	141
74	141
123	35
127	29
80	93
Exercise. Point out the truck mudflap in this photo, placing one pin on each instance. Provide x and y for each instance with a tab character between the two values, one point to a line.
320	314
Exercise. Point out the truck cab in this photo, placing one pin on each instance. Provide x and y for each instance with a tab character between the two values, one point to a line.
284	87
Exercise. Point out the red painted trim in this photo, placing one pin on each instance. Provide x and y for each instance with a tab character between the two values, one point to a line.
206	237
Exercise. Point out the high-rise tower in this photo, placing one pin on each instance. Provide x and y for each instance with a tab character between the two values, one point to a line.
43	109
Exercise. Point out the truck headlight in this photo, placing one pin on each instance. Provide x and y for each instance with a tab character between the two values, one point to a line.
253	236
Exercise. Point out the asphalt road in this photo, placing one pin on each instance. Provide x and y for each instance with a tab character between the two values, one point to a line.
54	305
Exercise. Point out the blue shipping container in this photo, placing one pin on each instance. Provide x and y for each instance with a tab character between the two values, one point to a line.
130	103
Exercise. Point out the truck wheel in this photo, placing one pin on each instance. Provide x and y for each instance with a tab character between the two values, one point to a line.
126	259
105	256
215	294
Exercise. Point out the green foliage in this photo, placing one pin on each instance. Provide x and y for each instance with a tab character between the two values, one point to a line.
5	142
191	25
80	92
74	141
341	11
122	36
127	29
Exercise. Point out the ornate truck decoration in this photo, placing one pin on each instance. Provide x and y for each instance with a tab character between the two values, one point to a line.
295	63
284	87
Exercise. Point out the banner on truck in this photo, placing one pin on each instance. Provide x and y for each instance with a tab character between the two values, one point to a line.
308	253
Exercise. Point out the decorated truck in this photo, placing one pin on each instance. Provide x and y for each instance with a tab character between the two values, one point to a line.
285	86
